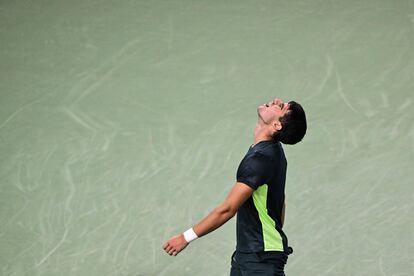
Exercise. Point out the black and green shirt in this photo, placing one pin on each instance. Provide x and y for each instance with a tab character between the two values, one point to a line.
259	226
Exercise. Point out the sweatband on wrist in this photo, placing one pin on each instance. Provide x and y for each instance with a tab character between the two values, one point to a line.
190	235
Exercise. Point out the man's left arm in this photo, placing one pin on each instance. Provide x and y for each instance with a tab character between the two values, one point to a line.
220	215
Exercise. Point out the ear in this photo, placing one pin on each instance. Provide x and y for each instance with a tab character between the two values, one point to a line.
277	125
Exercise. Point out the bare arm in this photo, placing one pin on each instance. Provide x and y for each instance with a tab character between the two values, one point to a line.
216	218
220	215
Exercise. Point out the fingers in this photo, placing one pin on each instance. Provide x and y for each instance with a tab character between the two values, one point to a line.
175	245
167	247
170	250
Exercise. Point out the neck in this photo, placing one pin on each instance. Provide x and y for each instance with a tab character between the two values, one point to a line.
261	133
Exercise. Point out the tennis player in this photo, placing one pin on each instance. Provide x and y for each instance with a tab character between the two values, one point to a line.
258	196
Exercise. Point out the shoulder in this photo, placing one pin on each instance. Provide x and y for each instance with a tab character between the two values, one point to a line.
256	160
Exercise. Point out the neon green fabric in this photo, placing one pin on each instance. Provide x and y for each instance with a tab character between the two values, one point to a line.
271	237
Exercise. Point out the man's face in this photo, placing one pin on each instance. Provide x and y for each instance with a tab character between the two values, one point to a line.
272	111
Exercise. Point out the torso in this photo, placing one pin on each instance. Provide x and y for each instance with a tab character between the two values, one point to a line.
259	226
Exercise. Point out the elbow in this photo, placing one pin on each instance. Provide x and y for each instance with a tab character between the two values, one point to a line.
226	211
232	213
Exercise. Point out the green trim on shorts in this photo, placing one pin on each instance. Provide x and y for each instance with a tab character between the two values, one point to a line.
271	238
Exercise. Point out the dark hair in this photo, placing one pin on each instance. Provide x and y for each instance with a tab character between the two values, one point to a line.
293	125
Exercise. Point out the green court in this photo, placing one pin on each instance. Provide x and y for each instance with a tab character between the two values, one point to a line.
123	123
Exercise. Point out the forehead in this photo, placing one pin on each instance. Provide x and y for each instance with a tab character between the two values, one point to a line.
287	105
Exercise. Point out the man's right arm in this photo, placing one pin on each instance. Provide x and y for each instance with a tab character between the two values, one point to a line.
220	215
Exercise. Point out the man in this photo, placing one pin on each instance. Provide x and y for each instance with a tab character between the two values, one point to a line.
258	197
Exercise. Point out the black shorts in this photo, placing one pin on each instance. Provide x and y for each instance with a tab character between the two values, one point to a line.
270	263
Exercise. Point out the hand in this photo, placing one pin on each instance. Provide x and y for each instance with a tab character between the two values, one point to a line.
175	245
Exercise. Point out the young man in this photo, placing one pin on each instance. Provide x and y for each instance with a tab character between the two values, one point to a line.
258	197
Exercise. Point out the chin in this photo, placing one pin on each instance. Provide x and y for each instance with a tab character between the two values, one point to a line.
260	107
259	113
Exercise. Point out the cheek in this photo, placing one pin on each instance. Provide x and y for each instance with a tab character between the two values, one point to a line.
279	113
269	115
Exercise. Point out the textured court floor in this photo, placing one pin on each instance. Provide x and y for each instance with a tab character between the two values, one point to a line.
123	122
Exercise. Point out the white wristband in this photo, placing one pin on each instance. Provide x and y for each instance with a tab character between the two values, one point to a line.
190	235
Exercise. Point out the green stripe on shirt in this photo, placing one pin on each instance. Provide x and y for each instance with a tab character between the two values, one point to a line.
271	237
